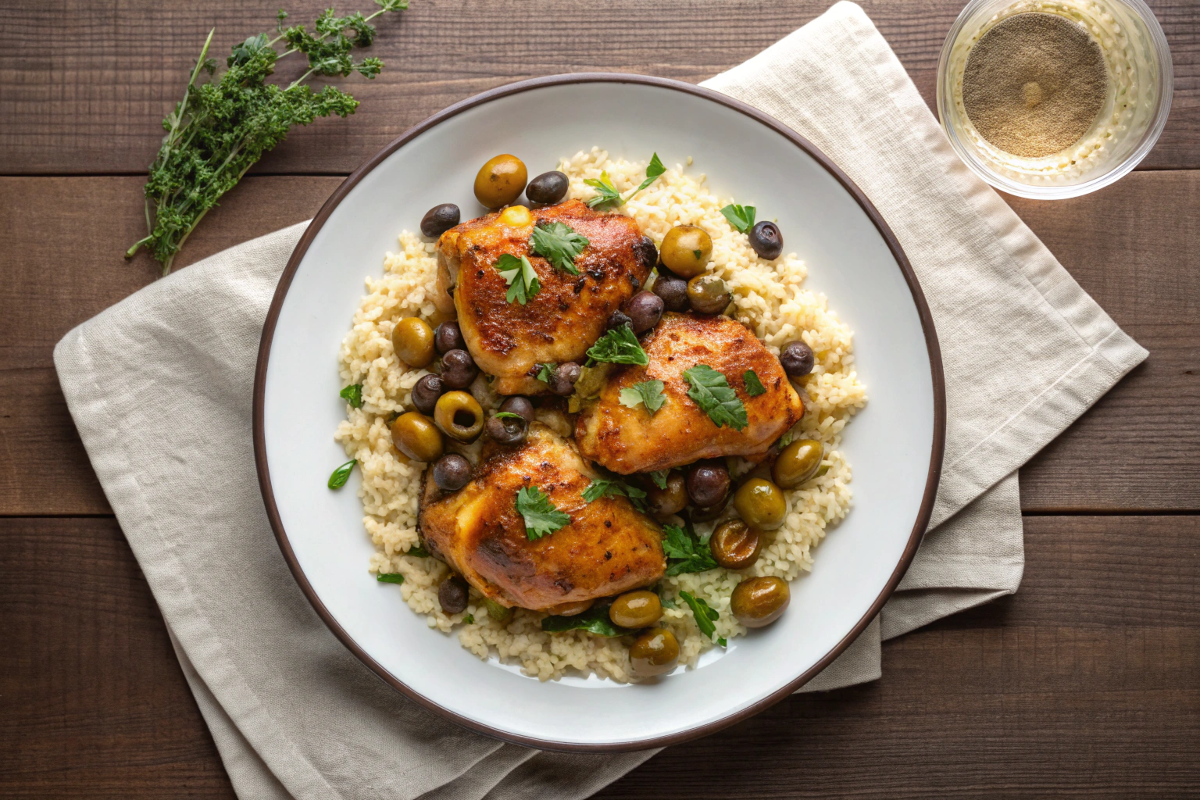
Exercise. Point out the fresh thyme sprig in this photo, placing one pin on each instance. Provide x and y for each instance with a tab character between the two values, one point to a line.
223	126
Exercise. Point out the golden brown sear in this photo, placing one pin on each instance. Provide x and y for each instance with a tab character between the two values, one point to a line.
608	546
627	440
569	312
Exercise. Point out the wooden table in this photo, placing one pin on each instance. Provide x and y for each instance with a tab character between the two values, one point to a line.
1086	683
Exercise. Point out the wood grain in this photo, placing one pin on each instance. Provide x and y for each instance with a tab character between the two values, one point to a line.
120	66
1129	245
1083	684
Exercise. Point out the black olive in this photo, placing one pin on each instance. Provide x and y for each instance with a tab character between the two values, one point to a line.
562	382
426	393
458	369
448	337
766	240
618	318
439	219
506	430
707	483
797	359
518	405
547	188
451	472
646	252
453	595
645	310
672	290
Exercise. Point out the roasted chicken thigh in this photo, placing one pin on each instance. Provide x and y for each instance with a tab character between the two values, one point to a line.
568	313
606	548
627	440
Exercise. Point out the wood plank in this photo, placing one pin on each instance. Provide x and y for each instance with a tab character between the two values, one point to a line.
93	102
1130	245
1084	684
92	700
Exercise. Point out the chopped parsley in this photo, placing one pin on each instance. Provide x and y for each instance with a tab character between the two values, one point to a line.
342	474
520	276
647	393
787	439
607	194
605	488
558	243
545	372
754	386
594	620
740	217
705	616
712	393
418	551
390	577
541	516
619	346
659	476
352	394
685	553
508	415
469	619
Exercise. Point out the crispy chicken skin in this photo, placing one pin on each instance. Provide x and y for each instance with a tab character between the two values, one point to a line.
628	440
608	546
565	317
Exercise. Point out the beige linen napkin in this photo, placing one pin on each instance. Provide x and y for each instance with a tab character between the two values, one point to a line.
160	388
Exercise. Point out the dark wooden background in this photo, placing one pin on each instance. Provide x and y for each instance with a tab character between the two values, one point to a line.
1086	683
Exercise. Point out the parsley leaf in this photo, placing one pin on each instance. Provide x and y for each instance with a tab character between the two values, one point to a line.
519	274
594	620
685	553
390	577
604	488
705	616
619	346
225	122
606	193
740	217
417	551
659	476
558	243
352	394
541	516
469	619
754	386
342	474
545	372
653	170
508	415
647	393
711	392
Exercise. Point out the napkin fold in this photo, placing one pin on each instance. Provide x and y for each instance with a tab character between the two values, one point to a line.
160	388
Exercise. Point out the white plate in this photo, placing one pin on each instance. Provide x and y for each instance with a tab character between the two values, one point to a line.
894	445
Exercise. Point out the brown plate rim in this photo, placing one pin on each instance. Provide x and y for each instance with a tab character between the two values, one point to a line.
931	342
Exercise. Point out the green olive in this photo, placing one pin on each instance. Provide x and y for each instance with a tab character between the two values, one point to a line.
761	504
655	652
635	609
735	545
417	437
671	500
757	602
412	339
459	415
501	614
685	250
797	463
500	181
707	294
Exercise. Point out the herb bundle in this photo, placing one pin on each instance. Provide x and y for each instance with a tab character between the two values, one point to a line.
222	127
